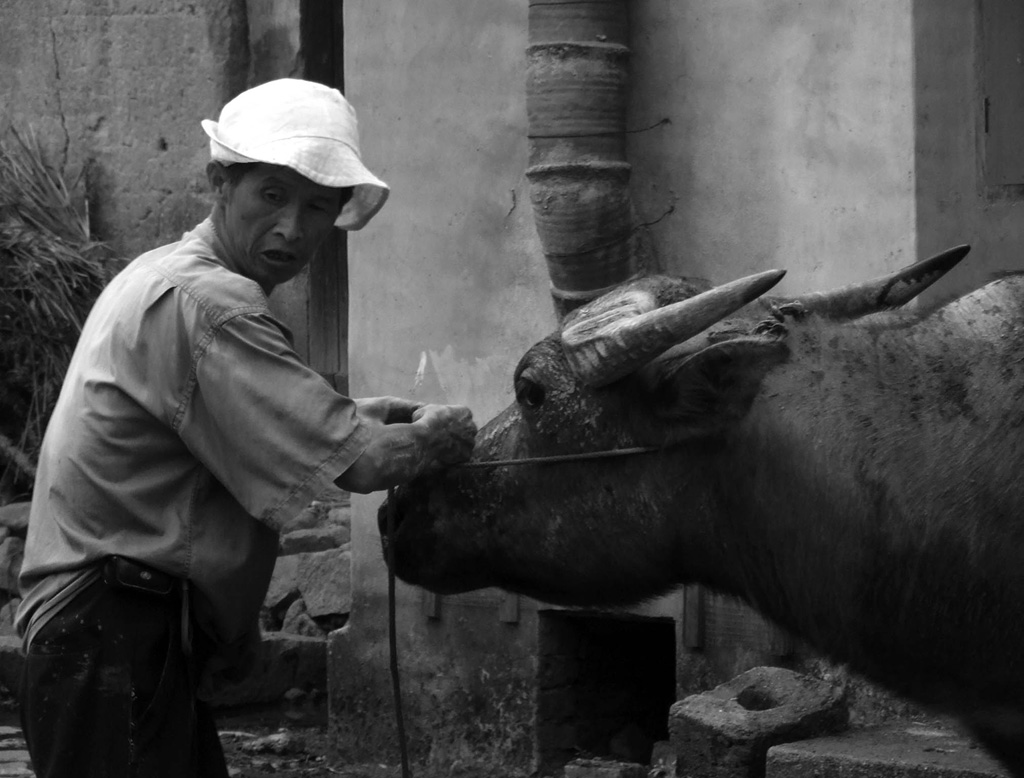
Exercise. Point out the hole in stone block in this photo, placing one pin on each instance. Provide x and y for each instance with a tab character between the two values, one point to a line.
605	686
754	698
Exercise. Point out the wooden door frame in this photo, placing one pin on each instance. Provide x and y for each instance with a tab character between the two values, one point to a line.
321	41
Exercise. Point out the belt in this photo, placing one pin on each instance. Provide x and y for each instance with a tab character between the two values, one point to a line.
122	573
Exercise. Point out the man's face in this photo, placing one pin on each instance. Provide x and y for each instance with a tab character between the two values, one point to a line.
271	220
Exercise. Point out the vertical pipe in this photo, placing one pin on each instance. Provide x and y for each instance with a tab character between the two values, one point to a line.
576	95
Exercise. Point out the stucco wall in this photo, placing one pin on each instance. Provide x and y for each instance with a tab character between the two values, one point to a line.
953	205
447	281
115	89
818	138
781	135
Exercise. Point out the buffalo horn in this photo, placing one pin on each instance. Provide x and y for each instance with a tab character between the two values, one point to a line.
879	294
609	342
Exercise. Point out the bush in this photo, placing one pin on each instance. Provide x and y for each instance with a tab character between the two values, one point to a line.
50	274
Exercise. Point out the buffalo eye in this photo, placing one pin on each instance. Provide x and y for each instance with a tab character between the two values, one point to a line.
529	392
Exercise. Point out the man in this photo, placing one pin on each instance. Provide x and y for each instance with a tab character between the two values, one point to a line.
187	434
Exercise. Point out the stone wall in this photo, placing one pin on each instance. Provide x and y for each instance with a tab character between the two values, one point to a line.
116	89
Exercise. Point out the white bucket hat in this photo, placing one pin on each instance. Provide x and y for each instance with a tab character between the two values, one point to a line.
307	127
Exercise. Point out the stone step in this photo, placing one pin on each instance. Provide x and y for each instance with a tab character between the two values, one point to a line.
905	750
14	759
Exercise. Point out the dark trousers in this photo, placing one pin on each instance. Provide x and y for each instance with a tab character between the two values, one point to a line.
107	691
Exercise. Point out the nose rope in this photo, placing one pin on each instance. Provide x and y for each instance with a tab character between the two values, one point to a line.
614	452
393	639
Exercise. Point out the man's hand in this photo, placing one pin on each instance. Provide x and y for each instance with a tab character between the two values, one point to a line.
409	439
451	430
388	410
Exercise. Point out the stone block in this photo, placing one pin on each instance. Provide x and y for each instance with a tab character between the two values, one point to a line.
325	581
11	551
331	508
318	539
7	613
340	512
14	516
310	517
726	732
904	750
604	768
297	621
284	584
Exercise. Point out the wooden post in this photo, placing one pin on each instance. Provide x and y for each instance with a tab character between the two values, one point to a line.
321	37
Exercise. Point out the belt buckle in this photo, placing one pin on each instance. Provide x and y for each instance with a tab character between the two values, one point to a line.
124	573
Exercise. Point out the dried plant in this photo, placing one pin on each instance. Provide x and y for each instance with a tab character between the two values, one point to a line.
50	274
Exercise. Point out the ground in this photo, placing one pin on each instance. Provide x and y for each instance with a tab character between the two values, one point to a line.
287	740
284	741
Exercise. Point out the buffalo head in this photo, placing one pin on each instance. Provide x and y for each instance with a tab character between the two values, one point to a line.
661	363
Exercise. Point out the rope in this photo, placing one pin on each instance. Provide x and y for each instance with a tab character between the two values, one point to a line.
393	639
615	452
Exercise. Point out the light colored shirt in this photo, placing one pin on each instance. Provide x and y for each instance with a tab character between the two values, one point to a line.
188	432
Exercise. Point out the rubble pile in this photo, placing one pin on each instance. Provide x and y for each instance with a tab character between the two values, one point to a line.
309	595
13	525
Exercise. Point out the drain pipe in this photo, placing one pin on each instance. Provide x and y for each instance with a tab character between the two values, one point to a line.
576	96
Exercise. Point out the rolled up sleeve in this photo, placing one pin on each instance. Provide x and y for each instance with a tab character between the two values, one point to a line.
266	425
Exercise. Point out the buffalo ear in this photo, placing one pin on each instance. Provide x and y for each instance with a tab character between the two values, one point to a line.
708	390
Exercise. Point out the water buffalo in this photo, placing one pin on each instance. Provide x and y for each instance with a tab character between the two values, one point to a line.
856	476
